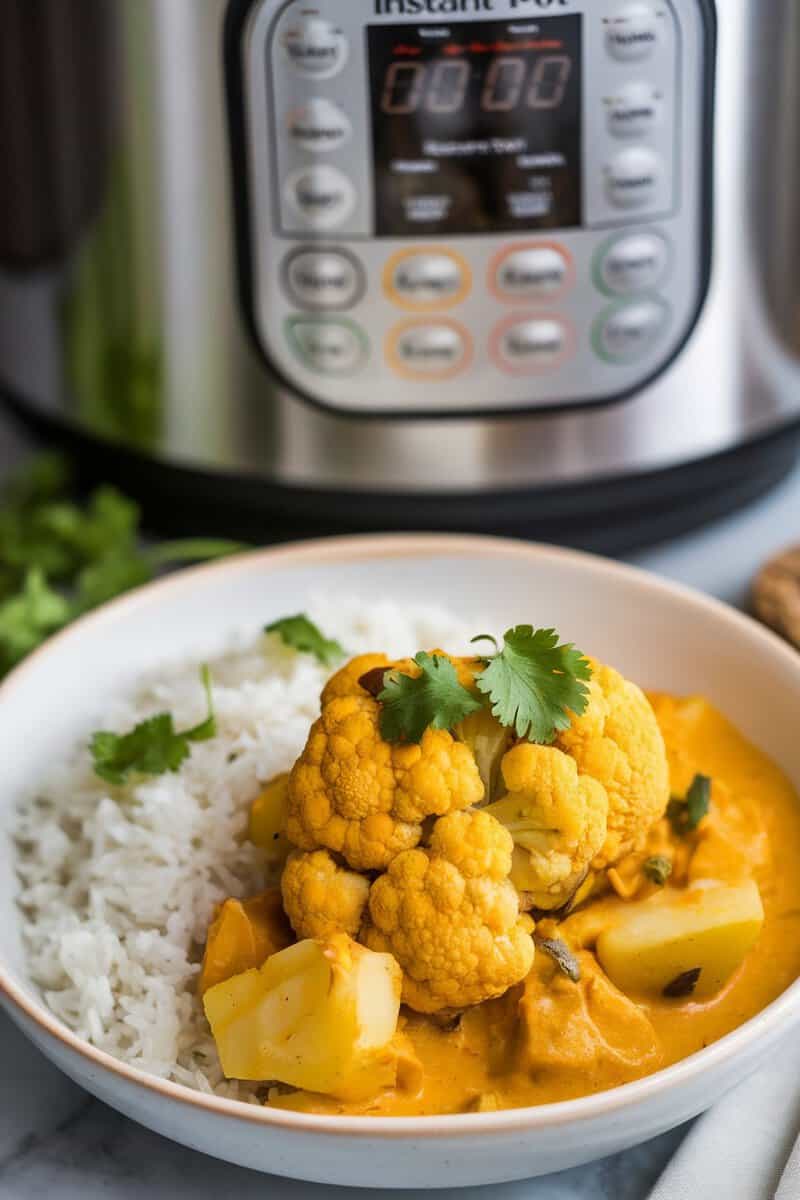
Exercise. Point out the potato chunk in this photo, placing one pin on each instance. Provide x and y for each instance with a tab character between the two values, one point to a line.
267	826
319	1015
652	944
243	934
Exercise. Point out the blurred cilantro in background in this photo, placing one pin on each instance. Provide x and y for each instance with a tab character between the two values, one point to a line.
60	558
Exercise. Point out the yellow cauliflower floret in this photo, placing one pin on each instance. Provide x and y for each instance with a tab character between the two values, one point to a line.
618	742
352	792
450	916
345	681
321	898
557	818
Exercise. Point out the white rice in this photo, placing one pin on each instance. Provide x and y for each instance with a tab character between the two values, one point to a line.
117	891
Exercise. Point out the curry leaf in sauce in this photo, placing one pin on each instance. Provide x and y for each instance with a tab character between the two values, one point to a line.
657	869
562	956
686	814
683	985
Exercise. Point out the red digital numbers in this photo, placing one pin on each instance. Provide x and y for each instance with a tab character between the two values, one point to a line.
511	80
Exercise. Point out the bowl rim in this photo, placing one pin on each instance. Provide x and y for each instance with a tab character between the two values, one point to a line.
767	1025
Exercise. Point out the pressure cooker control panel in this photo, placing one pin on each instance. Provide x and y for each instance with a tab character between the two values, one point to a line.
468	206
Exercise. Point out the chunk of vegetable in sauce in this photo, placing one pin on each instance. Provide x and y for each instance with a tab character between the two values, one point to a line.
655	942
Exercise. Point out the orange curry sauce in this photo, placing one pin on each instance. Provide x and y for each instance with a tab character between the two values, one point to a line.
552	1039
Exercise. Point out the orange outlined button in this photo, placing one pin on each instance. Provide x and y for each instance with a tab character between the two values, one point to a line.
532	344
427	279
531	271
429	350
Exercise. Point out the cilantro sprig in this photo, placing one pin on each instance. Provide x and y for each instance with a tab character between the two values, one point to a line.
60	558
532	685
153	747
435	699
300	633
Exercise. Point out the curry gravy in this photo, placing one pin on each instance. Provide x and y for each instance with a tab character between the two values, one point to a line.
551	1039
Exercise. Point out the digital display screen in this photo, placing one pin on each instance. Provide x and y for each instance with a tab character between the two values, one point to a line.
476	126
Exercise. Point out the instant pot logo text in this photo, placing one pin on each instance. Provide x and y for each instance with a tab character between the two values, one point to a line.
413	8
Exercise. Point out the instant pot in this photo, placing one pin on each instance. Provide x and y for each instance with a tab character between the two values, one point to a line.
301	265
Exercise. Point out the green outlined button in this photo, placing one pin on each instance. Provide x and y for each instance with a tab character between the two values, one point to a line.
327	345
627	332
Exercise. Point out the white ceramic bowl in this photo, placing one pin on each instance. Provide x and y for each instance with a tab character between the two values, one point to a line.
661	635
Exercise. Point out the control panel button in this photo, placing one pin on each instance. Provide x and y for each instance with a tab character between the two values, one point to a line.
323	279
635	111
634	178
532	273
319	126
535	344
328	347
435	350
637	262
322	195
633	32
420	279
315	46
627	333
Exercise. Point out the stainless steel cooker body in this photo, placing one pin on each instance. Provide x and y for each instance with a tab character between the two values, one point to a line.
170	311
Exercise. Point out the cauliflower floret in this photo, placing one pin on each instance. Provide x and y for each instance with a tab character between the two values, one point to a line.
352	792
321	898
557	818
450	916
618	742
346	681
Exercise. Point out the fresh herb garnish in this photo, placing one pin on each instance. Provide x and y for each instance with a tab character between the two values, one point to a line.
435	699
153	747
534	684
28	617
60	558
686	814
657	869
561	955
683	985
300	633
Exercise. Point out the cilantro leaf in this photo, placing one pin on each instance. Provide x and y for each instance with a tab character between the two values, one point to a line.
125	567
59	537
110	576
435	699
300	633
109	522
207	729
534	684
39	479
686	814
28	617
153	747
60	558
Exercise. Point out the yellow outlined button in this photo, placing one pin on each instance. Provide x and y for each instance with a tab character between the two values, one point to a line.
429	350
427	279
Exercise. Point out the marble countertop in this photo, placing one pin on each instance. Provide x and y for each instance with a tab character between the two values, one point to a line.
57	1141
